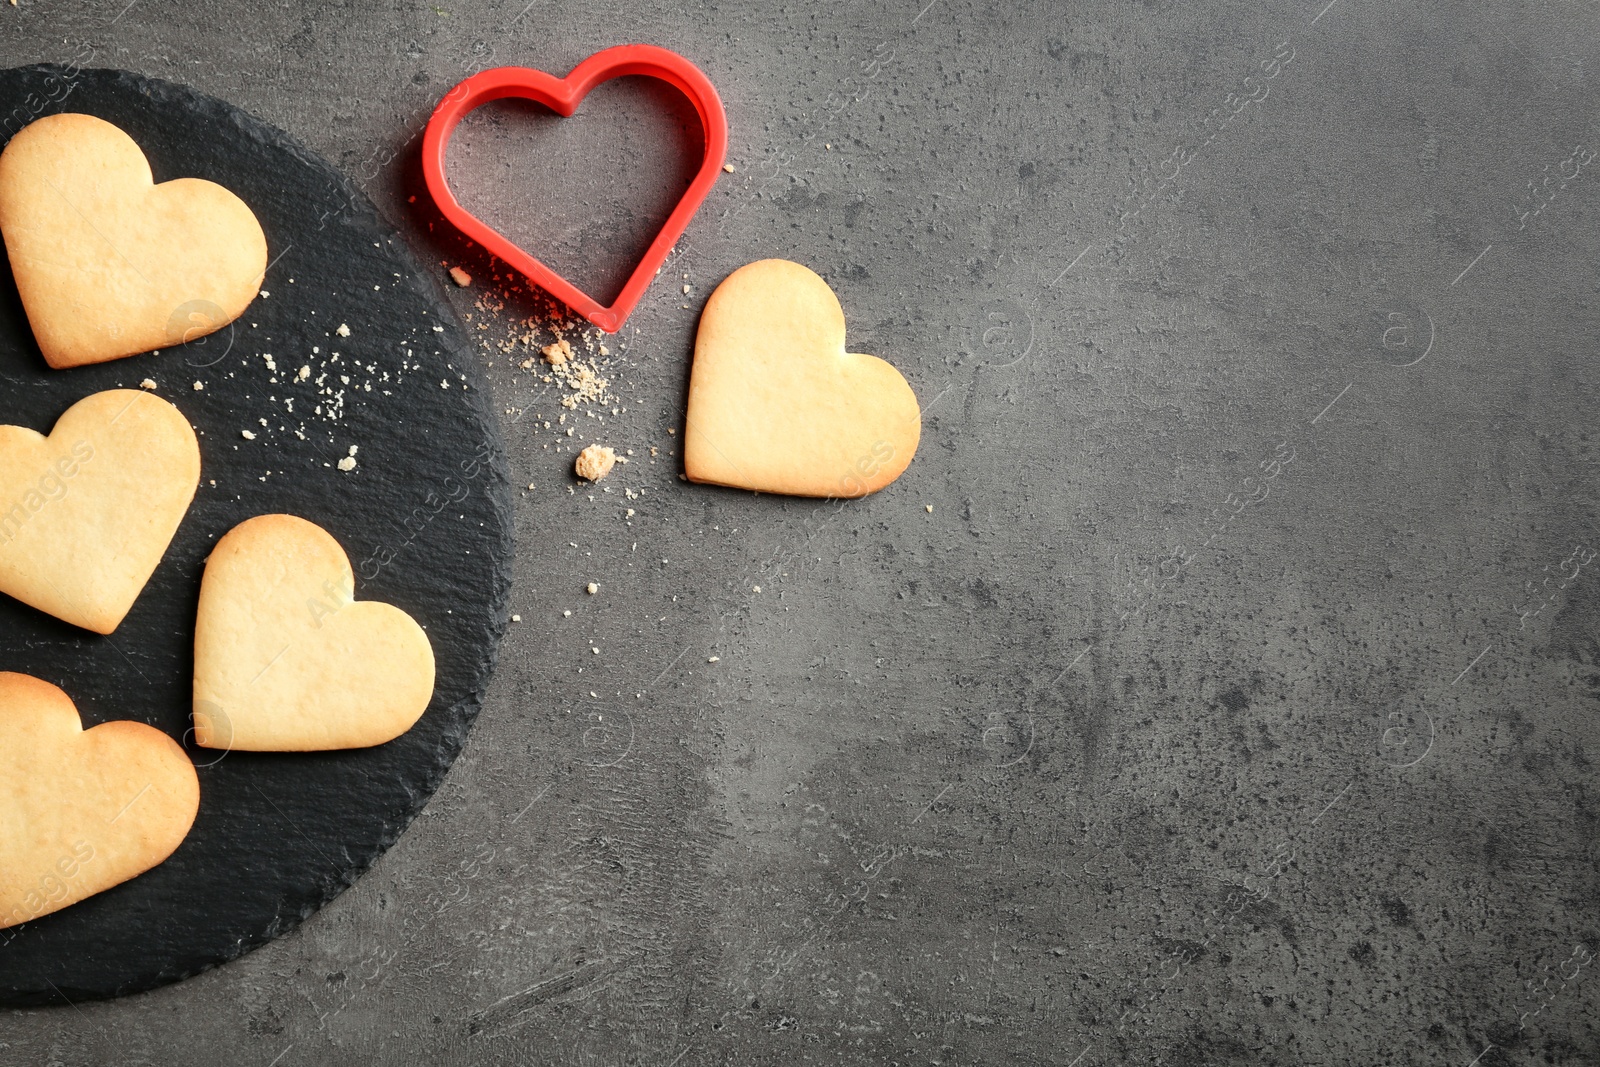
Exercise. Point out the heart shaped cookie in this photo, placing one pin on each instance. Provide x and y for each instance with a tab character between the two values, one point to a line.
285	658
81	810
88	512
108	263
775	402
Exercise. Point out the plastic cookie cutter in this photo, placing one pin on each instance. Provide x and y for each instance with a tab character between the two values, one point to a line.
563	95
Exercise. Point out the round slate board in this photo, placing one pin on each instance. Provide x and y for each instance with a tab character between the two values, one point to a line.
425	517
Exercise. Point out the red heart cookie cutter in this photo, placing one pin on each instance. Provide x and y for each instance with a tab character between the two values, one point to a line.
563	95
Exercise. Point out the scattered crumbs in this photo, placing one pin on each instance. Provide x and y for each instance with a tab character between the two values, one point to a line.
686	288
438	329
459	276
566	614
247	435
516	618
596	651
443	384
595	462
714	659
672	429
584	381
304	373
532	486
199	386
929	507
343	330
265	294
148	383
592	588
262	421
755	589
728	167
630	513
558	353
654	451
348	463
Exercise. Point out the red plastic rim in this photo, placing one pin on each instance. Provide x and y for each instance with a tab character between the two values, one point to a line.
563	95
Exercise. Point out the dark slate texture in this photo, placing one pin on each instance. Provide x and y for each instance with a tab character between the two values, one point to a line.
425	517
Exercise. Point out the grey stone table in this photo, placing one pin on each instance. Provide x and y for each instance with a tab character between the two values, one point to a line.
1219	685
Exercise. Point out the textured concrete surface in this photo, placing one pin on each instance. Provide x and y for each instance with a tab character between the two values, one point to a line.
1233	704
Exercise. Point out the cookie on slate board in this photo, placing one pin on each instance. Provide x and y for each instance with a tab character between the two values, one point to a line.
81	810
285	658
776	404
87	512
109	264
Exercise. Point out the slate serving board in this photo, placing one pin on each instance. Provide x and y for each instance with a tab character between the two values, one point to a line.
425	517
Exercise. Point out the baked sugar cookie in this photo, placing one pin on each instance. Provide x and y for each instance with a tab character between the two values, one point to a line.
87	513
109	264
776	404
81	810
285	658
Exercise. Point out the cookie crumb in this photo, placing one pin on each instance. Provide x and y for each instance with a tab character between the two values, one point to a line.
305	372
516	618
247	435
348	463
592	588
672	429
567	614
929	507
198	386
343	330
714	659
558	353
148	383
728	167
630	514
595	462
460	277
686	288
755	589
265	294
